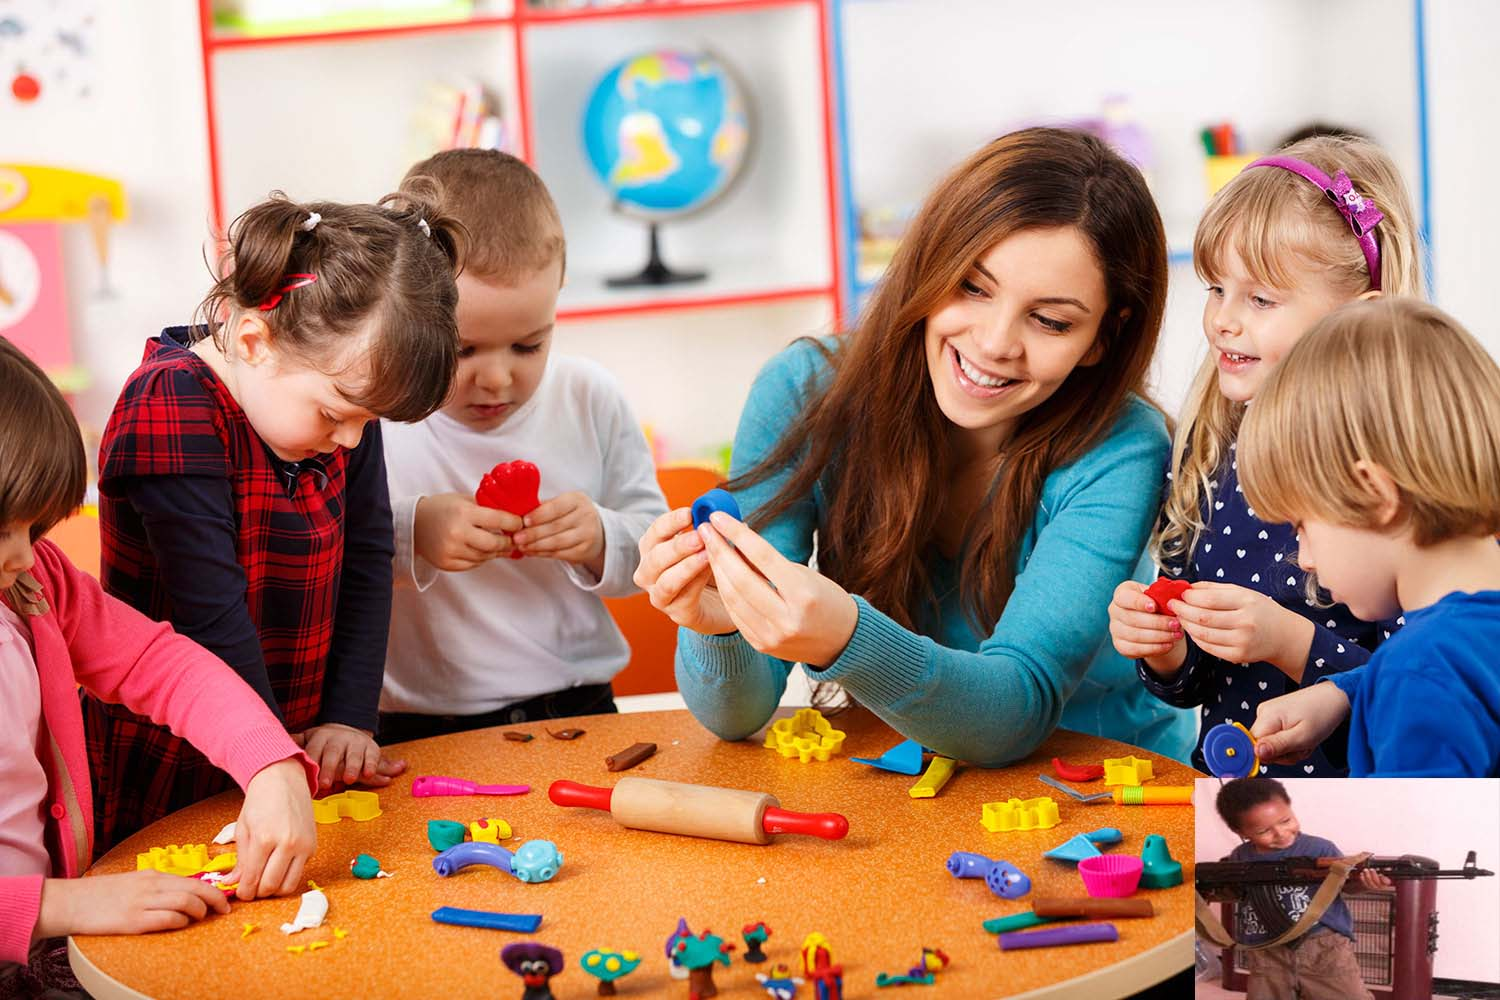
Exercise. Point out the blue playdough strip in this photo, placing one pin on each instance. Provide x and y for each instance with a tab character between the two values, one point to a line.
525	923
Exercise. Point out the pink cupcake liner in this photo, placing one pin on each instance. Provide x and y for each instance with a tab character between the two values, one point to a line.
1111	874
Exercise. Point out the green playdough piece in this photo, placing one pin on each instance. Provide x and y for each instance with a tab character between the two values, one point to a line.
445	833
365	867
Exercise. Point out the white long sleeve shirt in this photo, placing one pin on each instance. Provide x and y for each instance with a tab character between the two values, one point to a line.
510	629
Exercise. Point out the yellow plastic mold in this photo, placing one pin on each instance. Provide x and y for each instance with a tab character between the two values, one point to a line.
358	806
1019	814
186	859
1126	771
806	736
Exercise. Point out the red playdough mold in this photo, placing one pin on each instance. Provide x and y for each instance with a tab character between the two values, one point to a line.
512	487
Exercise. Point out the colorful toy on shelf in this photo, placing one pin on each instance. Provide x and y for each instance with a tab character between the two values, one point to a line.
924	973
1077	772
1110	874
536	964
938	773
715	500
444	833
903	758
1019	814
666	133
1229	751
533	861
630	756
524	923
806	736
513	487
489	831
697	810
818	967
1067	907
1003	878
698	955
1053	937
755	935
779	983
1167	795
358	806
310	913
1166	589
366	867
1126	771
1159	869
607	966
188	859
429	785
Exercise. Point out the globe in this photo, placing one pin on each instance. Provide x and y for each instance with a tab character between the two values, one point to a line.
666	133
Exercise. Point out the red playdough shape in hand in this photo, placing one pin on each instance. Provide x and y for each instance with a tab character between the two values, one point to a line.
512	487
1166	589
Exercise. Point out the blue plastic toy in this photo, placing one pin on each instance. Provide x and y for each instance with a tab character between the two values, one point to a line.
715	499
522	922
903	758
1004	879
1229	751
1073	850
534	861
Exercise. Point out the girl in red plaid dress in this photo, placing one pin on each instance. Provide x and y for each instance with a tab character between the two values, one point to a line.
242	483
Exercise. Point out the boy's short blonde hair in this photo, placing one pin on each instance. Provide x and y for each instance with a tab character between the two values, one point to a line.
43	470
1393	382
513	226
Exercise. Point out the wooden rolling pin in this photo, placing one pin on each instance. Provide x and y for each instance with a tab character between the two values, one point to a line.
697	810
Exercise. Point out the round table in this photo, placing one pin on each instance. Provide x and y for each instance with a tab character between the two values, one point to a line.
879	896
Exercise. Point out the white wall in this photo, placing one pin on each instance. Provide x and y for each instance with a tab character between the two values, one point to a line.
1441	819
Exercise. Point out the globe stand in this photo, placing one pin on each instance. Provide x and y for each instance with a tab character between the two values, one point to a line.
656	272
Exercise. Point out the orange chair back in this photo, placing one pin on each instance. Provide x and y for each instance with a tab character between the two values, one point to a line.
651	634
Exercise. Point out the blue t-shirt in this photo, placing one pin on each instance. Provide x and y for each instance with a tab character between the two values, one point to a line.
1428	702
1294	899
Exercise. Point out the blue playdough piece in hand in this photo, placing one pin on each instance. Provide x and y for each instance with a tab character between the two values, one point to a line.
711	501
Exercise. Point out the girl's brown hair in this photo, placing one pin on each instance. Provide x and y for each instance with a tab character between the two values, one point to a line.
372	262
875	438
1284	229
43	470
1396	383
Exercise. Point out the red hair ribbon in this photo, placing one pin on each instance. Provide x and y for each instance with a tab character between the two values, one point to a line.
293	281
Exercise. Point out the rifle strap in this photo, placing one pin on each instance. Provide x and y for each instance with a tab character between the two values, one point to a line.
1338	873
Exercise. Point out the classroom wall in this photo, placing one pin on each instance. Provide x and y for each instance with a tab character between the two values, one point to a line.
1440	819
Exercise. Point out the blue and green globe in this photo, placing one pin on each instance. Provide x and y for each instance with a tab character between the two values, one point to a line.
666	132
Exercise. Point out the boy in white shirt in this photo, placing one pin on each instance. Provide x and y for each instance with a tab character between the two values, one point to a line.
478	639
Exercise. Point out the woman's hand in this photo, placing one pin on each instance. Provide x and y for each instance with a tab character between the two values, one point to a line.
782	608
1141	632
674	572
1241	625
274	835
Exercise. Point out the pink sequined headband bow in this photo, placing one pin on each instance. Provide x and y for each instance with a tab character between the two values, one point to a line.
1360	212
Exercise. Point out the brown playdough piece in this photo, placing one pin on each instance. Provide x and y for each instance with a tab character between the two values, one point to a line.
565	734
630	756
1090	907
517	737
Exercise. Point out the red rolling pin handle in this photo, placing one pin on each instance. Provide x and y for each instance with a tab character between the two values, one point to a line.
571	793
829	826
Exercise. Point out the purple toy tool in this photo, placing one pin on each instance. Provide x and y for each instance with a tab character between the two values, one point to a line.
1004	879
1051	937
429	785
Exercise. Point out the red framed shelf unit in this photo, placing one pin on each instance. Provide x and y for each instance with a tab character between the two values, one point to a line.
527	28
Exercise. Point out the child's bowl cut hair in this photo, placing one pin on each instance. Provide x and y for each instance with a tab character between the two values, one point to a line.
43	469
1396	383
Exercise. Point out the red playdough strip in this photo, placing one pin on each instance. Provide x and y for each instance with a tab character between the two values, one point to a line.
1166	589
1077	772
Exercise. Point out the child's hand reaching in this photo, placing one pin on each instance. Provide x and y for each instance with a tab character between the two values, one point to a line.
1290	727
132	903
348	755
1141	632
274	834
454	533
1241	625
566	527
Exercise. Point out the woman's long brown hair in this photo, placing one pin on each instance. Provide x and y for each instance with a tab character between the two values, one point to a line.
876	440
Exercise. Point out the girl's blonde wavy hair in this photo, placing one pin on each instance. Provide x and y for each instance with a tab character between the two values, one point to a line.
1396	383
1285	230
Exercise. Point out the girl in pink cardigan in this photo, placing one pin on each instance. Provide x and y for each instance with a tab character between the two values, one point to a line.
58	629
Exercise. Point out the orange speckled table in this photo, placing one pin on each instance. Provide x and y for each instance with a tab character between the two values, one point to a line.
879	896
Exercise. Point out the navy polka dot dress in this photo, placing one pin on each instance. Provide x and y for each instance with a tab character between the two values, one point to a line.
1240	549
